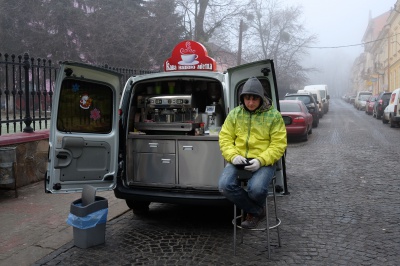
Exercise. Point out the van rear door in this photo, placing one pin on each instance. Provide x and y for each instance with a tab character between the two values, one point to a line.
83	140
264	70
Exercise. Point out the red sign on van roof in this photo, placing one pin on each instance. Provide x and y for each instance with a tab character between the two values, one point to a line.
190	56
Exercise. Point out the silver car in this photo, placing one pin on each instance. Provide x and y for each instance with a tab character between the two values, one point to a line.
361	99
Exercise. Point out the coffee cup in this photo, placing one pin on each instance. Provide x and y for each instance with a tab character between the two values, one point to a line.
188	58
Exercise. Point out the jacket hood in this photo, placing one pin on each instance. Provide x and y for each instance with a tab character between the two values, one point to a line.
254	87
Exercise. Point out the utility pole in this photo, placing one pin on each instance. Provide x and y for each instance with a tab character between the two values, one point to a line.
239	56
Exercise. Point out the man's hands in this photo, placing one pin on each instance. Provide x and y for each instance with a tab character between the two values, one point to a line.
254	165
239	160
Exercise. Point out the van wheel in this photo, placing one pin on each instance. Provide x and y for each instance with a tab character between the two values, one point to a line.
138	207
384	120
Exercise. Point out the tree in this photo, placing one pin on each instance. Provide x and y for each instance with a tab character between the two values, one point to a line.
204	18
276	33
129	33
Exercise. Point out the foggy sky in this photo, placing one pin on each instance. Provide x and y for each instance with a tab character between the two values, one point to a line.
337	23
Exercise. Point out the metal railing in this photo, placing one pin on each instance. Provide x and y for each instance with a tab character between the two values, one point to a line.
26	91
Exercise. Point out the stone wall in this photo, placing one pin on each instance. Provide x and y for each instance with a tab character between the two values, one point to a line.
31	155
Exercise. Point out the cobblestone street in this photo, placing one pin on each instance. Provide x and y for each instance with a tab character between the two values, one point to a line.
343	209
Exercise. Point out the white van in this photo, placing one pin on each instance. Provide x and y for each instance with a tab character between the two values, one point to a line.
392	111
318	98
324	95
146	140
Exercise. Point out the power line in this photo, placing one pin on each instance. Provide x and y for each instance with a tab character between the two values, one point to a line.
344	46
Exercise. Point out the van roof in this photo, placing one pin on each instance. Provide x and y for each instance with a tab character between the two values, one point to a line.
317	87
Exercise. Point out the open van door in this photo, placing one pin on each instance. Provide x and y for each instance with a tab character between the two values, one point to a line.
83	140
263	70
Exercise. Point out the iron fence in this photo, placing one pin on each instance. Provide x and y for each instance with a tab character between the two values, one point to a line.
26	91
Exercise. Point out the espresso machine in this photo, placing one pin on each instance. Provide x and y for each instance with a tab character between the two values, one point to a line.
167	113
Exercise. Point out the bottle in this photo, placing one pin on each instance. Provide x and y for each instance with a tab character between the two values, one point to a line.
201	128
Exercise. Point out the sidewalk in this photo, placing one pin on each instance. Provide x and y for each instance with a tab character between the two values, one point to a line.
34	224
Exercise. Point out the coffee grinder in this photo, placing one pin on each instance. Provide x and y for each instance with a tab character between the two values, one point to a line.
214	111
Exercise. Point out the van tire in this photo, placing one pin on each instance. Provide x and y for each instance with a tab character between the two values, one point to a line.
384	120
138	207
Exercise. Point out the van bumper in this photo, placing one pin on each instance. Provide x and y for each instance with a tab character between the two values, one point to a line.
171	195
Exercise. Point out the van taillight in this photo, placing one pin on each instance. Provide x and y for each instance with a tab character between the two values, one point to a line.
395	109
119	112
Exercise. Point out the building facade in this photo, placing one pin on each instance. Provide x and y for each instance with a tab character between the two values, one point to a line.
377	69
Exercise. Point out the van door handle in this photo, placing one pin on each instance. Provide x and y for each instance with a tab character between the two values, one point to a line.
61	156
187	148
165	160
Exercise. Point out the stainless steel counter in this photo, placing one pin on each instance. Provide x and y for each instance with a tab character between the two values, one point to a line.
173	137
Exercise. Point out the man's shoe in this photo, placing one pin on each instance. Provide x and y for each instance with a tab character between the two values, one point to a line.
252	221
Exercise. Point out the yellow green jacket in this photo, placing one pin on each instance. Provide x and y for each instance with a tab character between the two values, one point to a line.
260	134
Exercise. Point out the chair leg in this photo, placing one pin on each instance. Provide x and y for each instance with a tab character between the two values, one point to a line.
267	228
241	222
276	215
234	229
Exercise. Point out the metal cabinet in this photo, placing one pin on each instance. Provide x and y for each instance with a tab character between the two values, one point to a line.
179	162
200	163
154	162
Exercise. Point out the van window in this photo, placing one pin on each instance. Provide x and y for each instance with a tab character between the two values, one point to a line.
322	92
290	107
305	99
85	107
364	97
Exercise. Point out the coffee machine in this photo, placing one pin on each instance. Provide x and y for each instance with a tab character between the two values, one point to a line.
167	113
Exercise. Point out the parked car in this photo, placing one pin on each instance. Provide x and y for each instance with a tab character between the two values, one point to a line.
381	102
351	99
361	99
297	119
310	102
392	111
369	106
318	98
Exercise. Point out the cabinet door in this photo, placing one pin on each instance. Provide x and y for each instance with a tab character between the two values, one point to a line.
200	164
153	145
154	168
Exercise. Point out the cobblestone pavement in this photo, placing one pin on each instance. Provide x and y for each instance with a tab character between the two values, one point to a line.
343	209
33	225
